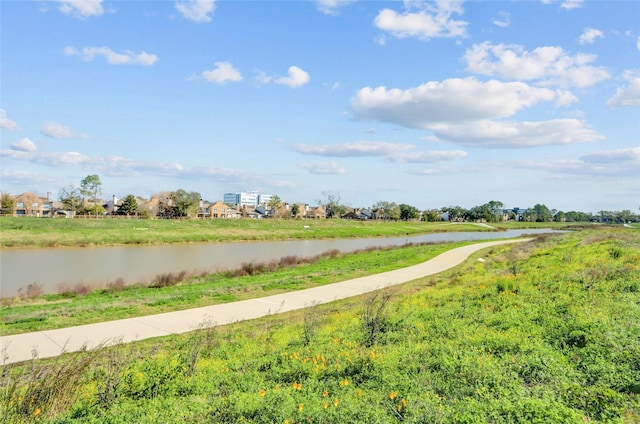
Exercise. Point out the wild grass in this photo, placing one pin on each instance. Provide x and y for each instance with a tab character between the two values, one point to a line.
77	305
45	232
557	342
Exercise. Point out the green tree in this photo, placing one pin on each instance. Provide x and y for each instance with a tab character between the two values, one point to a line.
7	202
129	206
386	210
91	187
431	215
332	205
541	213
408	212
455	213
185	203
70	198
295	210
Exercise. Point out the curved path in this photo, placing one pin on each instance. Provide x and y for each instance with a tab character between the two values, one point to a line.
49	343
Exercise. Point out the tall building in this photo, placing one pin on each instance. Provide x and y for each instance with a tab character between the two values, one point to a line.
243	199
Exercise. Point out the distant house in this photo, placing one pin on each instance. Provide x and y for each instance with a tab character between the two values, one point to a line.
28	204
221	210
315	212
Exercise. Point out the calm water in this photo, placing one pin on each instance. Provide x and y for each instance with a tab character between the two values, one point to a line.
52	268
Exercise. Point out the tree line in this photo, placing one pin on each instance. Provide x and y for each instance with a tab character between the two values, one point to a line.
85	200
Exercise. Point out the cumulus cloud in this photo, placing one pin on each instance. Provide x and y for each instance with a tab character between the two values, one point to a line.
112	58
323	168
628	95
6	123
24	145
452	100
589	35
223	72
81	8
499	134
331	7
433	21
296	78
199	11
55	130
548	66
354	149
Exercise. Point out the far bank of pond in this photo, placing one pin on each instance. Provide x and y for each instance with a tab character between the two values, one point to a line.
51	268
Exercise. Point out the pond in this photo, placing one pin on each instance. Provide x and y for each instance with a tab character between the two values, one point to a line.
53	269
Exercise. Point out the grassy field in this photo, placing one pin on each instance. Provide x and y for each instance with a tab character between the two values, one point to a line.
41	232
175	292
543	332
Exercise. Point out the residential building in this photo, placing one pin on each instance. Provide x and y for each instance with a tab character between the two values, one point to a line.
28	204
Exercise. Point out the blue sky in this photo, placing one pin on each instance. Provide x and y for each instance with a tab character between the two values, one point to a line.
426	103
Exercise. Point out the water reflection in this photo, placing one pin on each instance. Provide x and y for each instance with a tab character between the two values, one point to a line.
52	268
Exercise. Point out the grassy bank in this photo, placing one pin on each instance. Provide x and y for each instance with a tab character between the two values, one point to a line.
171	292
545	332
40	232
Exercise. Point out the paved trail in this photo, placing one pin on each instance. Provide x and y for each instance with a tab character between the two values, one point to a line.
50	343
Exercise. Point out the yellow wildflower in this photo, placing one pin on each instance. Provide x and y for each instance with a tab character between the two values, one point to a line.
300	407
344	383
326	405
393	395
263	392
336	402
37	412
325	393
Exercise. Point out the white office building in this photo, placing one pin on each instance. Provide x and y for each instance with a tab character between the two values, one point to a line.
250	199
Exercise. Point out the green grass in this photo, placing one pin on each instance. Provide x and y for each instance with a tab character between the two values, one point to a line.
69	309
544	332
27	232
41	232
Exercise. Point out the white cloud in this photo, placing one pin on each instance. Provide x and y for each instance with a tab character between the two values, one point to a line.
54	130
638	43
432	22
571	4
331	7
549	66
452	100
628	95
296	78
566	4
619	156
323	168
354	149
606	164
112	58
434	156
6	123
499	134
503	20
81	8
589	35
196	10
223	72
119	166
24	145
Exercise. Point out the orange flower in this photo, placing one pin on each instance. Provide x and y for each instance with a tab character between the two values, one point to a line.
37	412
393	395
326	405
336	402
325	393
263	392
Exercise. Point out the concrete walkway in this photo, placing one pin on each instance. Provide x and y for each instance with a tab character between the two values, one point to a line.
50	343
